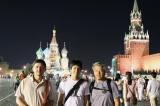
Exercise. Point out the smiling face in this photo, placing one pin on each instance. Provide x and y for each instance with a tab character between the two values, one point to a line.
99	73
75	70
38	69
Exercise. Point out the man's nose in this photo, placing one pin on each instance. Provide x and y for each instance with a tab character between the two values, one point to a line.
38	68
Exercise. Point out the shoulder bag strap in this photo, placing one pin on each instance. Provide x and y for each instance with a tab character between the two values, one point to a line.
46	93
131	90
76	86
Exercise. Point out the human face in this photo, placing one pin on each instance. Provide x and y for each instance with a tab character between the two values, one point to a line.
99	73
38	69
75	70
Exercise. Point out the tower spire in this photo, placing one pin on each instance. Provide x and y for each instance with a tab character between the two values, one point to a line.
54	41
64	51
135	18
64	44
40	44
39	52
47	44
54	31
135	6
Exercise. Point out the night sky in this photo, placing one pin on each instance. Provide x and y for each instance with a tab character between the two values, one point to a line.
93	30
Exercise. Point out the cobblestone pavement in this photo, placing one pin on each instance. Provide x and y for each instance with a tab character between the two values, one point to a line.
144	103
7	97
7	93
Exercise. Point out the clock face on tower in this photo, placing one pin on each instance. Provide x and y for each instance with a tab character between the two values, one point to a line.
138	28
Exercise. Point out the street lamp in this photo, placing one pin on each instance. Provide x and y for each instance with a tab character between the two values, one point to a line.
24	67
109	67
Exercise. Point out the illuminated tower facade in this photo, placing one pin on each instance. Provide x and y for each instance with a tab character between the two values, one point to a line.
136	42
54	55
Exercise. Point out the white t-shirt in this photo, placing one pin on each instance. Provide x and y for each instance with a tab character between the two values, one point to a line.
141	83
153	87
74	99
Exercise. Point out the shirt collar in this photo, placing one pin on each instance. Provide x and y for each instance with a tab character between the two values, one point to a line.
32	79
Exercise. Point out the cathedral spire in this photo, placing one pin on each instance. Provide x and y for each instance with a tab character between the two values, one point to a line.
47	44
64	51
64	44
46	51
39	52
54	40
54	31
40	44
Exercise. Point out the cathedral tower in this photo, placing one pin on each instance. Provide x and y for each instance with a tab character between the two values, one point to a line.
64	59
54	55
39	53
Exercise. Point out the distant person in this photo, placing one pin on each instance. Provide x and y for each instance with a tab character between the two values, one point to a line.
141	85
146	82
104	91
153	90
22	75
73	91
129	90
119	83
17	82
145	87
34	90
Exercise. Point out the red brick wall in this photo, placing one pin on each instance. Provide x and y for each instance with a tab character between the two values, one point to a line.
151	62
123	63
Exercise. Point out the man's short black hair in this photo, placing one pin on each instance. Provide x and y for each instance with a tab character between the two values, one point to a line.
118	77
39	61
76	62
154	74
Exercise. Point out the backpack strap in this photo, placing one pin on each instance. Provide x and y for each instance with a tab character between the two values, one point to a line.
91	87
76	86
109	85
110	88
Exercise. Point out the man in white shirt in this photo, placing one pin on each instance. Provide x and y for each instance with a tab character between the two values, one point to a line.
35	90
80	96
141	84
153	90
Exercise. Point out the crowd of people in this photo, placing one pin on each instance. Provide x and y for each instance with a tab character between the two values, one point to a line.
77	89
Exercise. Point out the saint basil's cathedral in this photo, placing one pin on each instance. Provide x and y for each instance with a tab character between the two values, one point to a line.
56	63
136	55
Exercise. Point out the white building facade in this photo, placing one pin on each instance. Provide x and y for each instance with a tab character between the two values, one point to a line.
56	63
